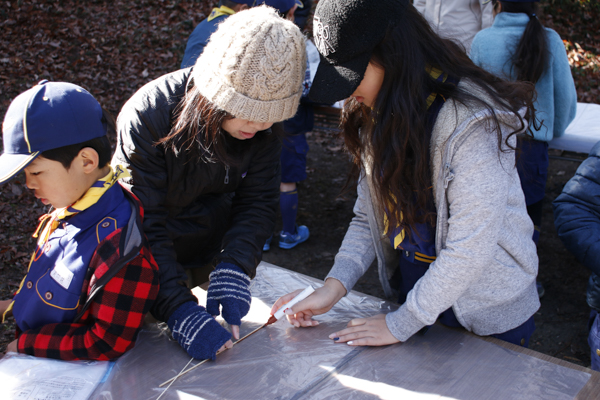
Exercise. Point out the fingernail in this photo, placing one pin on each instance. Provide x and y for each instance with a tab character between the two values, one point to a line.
315	323
350	342
332	336
335	339
288	311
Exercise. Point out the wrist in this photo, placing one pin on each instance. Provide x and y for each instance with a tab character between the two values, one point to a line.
229	290
196	331
182	311
230	266
336	288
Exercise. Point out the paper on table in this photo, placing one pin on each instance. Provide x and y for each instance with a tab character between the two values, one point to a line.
24	377
583	132
282	362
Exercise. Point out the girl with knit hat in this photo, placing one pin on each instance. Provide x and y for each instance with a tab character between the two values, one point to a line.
439	206
205	166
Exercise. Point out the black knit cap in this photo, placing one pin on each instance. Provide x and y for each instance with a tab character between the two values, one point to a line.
346	32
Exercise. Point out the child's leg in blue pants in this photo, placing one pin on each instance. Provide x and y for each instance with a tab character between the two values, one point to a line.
594	339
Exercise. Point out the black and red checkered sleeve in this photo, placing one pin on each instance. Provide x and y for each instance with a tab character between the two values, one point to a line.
110	325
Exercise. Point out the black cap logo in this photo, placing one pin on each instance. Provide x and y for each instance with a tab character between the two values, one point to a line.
321	34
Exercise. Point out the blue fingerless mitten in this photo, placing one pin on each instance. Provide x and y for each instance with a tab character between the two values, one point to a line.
197	331
229	287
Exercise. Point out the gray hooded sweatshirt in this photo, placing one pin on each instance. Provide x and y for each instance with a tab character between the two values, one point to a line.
486	262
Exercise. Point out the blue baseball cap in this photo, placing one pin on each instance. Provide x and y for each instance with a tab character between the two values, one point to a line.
249	3
282	6
47	116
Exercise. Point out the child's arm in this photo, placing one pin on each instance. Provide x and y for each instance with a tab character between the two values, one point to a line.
139	129
12	347
110	325
4	305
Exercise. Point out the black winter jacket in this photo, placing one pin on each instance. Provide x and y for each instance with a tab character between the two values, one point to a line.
184	196
577	220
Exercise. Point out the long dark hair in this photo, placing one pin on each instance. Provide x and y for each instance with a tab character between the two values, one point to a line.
394	139
531	53
197	129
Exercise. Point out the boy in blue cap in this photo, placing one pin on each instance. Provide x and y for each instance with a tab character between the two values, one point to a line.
201	34
294	148
199	37
92	278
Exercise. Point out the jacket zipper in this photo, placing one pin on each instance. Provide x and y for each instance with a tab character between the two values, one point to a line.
226	181
448	175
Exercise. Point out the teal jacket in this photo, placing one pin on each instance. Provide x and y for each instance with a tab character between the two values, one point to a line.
556	102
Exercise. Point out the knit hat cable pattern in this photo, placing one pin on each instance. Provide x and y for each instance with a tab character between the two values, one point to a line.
253	66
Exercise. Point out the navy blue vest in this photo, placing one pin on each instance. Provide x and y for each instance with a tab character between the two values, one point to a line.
53	288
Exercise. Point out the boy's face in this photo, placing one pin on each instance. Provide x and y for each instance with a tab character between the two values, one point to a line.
53	184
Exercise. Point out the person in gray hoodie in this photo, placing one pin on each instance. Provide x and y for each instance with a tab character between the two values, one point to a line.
440	206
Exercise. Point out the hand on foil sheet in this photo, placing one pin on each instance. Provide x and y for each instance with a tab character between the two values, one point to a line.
229	289
198	332
319	302
12	347
372	331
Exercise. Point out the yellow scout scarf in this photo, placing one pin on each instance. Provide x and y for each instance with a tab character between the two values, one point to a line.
399	236
49	222
218	11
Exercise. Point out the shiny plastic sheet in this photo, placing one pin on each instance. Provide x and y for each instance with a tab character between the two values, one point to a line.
24	377
282	362
583	132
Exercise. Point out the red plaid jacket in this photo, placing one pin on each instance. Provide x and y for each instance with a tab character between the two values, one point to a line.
119	289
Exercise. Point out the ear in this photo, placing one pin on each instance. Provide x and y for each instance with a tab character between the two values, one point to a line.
241	7
497	8
290	14
89	159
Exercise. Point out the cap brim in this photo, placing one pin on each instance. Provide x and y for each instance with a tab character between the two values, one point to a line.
12	164
337	82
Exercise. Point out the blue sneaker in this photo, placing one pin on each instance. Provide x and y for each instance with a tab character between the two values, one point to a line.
267	245
540	289
288	240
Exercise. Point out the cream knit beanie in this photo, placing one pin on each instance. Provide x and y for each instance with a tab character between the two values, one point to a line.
253	66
